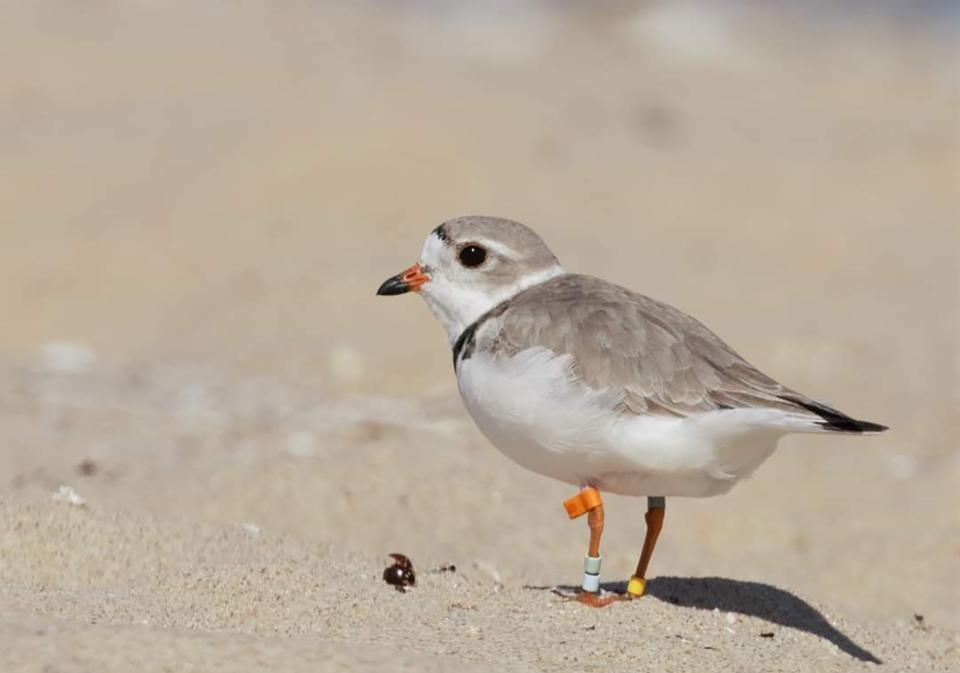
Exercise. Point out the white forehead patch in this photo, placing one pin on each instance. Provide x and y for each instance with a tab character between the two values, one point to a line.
434	250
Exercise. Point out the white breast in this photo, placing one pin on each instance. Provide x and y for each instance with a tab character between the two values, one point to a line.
531	407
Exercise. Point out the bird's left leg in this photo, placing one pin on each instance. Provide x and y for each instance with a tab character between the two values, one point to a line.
589	502
656	506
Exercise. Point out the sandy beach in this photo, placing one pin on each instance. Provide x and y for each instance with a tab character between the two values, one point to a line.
212	433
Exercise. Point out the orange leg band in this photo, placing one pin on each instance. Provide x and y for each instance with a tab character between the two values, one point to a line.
585	501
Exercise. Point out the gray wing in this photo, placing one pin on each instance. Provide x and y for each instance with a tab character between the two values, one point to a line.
665	361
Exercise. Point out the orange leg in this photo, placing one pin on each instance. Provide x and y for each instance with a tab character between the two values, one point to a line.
595	523
656	507
589	502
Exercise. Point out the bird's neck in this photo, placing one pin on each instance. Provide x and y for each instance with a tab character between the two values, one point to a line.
458	307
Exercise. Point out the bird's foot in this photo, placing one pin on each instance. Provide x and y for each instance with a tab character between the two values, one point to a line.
599	599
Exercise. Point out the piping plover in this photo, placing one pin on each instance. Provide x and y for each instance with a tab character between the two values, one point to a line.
597	386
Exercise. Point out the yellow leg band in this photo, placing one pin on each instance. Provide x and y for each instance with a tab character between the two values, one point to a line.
636	586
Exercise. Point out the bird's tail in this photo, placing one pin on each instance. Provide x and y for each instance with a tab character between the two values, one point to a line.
833	420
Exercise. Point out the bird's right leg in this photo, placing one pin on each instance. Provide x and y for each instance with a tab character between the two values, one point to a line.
589	502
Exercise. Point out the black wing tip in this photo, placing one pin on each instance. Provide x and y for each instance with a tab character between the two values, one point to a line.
834	420
854	425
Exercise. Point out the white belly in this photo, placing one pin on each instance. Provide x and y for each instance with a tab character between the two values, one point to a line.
533	410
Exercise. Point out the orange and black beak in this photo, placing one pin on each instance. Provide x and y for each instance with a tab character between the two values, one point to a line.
410	280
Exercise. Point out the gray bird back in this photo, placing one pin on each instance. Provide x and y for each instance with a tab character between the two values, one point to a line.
666	362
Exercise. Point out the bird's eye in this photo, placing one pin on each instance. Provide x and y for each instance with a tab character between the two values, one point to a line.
472	256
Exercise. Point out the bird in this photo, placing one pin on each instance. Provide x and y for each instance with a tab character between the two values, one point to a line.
597	386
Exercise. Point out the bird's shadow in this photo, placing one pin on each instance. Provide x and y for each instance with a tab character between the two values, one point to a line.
746	598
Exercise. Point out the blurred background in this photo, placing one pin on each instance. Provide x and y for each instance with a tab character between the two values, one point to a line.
198	201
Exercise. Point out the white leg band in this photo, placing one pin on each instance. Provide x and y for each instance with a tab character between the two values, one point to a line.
591	574
591	583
